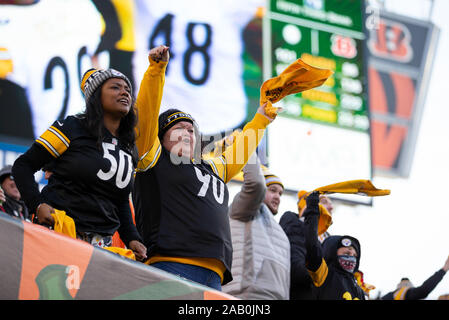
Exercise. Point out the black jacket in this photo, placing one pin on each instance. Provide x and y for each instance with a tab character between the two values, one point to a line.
301	287
339	284
416	293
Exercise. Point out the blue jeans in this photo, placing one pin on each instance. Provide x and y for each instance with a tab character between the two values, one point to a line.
195	273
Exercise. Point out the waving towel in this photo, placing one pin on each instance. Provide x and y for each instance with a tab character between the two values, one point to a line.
361	187
325	219
298	77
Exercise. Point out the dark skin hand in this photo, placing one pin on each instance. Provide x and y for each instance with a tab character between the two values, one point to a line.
140	251
44	216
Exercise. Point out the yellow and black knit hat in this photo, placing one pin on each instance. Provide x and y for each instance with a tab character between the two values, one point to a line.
271	178
94	78
168	118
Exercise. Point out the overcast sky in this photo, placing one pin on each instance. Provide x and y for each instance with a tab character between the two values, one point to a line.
406	234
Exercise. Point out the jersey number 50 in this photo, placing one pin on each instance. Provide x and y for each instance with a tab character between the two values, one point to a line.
117	171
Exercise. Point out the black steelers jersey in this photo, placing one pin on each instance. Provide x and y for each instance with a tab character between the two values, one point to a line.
182	211
91	185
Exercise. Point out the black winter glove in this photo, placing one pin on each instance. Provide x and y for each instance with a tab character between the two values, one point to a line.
312	204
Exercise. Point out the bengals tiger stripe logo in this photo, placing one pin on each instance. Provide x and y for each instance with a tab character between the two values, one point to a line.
391	40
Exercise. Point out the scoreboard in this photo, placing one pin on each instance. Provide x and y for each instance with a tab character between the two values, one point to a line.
323	134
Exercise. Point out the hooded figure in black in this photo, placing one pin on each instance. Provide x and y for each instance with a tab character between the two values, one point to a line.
333	263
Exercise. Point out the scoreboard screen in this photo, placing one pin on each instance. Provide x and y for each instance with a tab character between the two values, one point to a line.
324	133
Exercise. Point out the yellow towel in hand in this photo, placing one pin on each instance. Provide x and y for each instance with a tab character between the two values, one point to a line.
127	253
361	187
64	224
298	77
366	287
325	219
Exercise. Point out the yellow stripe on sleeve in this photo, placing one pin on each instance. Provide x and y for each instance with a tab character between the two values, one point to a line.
236	155
218	166
320	275
400	294
54	141
46	145
149	159
61	135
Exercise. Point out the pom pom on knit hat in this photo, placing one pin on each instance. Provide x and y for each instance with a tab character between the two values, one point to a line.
94	78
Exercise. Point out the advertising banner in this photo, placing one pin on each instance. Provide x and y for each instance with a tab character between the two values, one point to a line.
41	264
400	58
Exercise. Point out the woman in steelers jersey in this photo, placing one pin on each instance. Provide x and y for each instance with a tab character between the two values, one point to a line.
92	156
181	199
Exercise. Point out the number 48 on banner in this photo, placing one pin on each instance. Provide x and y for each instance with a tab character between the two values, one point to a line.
164	29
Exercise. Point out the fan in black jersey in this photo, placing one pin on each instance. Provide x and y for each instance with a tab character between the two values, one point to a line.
181	200
92	156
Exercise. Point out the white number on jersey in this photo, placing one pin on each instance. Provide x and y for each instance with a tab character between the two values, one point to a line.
205	180
119	171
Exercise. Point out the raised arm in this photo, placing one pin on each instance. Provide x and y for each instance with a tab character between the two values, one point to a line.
427	287
235	156
315	263
149	100
247	202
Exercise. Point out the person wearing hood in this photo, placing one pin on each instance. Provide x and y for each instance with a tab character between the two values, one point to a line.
13	204
333	263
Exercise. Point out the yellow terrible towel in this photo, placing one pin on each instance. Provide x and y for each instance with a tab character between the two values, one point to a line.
366	287
127	253
325	219
64	224
361	187
298	77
